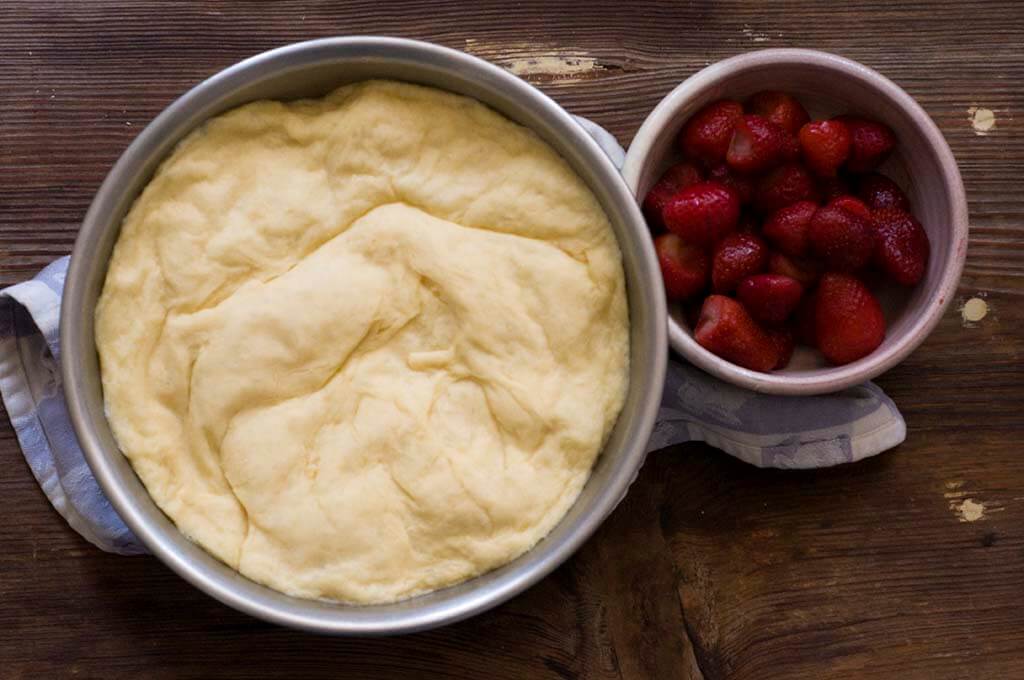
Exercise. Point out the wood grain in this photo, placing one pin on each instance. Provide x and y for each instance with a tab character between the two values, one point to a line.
710	568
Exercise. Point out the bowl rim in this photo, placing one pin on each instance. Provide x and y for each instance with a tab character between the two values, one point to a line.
839	377
170	546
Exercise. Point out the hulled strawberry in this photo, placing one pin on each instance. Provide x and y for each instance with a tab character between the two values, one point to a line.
707	134
726	329
825	145
684	267
757	145
736	257
851	205
702	213
780	108
786	229
901	246
784	186
843	239
770	298
880	192
871	143
676	178
848	320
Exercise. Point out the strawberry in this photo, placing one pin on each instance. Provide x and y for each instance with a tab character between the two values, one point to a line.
848	321
783	186
804	320
880	192
743	186
850	205
870	143
843	239
825	145
702	213
780	108
707	133
679	176
786	229
726	329
736	257
770	298
901	246
683	267
757	144
803	270
831	187
784	343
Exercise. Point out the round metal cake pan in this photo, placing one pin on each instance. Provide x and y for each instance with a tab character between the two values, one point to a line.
312	69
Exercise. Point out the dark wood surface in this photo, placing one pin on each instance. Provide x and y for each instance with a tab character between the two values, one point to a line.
909	565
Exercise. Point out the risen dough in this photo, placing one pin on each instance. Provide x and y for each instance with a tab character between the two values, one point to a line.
365	346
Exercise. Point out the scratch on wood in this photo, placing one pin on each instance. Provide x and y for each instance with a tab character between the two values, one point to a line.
539	62
756	36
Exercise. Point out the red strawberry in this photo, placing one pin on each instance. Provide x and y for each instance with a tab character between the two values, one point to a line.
706	135
770	298
683	267
679	176
825	145
843	239
851	205
804	320
803	270
901	246
831	187
736	257
757	144
726	329
702	213
870	143
780	108
880	192
848	321
743	186
786	229
782	338
784	186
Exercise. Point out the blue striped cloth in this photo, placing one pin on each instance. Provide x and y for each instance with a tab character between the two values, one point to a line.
763	430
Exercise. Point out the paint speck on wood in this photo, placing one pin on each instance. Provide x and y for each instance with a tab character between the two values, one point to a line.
982	120
968	510
973	311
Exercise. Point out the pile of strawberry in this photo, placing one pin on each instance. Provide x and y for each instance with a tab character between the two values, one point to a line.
770	223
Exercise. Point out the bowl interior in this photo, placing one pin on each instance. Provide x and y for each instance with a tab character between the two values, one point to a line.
312	69
829	86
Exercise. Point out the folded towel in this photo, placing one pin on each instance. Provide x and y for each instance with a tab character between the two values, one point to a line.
764	430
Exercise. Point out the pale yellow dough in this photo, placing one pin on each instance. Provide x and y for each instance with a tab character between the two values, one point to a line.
366	346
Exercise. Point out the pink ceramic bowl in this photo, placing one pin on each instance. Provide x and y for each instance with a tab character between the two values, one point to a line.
923	164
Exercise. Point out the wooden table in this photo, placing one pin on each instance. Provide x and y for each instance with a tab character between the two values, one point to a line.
909	565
